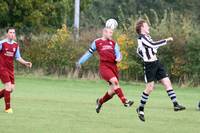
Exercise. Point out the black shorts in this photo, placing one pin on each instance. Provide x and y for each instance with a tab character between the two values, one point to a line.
154	71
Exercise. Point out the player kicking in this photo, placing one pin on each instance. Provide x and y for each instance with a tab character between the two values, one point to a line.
109	53
9	50
153	69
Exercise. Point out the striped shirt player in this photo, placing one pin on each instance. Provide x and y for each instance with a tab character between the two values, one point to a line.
9	50
153	69
109	54
147	50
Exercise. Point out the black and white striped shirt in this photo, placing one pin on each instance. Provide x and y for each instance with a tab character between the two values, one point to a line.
147	48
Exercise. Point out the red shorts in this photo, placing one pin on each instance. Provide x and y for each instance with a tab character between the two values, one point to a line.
7	76
108	70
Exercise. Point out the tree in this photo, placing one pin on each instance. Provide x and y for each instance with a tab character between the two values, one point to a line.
32	15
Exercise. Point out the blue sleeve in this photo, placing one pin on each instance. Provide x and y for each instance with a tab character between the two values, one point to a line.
0	45
117	51
88	54
17	54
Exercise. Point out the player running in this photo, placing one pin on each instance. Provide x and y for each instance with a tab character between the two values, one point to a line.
109	53
153	69
9	49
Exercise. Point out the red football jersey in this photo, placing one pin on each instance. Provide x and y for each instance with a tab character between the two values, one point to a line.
7	55
106	50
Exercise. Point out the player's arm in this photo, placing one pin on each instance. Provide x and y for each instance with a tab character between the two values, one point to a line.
21	60
155	44
87	55
118	54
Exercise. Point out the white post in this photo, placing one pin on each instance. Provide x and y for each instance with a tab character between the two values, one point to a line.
76	19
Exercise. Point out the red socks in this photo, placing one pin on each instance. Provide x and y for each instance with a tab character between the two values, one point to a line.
2	93
7	99
120	94
105	98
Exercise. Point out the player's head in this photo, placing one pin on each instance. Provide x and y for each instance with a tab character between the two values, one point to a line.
107	33
142	27
11	33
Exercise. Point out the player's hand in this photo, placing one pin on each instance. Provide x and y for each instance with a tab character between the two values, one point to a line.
28	64
169	39
118	60
78	66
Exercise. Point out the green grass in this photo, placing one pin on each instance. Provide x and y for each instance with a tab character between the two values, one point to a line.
50	105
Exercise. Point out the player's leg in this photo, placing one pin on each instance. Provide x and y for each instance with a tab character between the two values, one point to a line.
105	73
107	96
6	80
110	74
171	93
168	86
162	76
2	93
144	98
150	69
7	97
114	89
145	95
119	92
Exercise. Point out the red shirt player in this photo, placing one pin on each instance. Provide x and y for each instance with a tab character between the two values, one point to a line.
9	50
109	54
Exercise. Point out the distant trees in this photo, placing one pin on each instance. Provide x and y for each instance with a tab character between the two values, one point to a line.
37	15
32	15
43	15
125	10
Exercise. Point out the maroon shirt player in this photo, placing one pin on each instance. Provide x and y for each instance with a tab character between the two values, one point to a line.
9	50
109	54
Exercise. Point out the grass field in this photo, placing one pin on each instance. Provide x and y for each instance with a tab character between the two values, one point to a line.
50	105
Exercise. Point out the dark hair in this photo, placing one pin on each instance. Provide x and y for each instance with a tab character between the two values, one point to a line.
138	25
9	28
